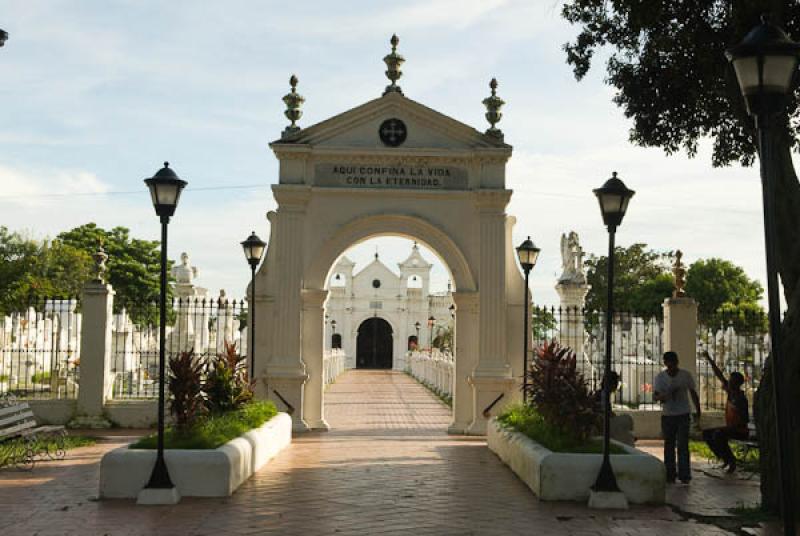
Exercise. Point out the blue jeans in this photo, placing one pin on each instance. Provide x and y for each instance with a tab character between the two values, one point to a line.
675	428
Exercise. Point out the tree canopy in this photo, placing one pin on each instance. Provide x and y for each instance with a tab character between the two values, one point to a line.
32	270
643	279
133	267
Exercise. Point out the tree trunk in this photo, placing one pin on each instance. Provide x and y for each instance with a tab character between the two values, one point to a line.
788	252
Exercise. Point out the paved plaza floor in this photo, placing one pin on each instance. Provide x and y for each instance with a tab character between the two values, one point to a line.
386	467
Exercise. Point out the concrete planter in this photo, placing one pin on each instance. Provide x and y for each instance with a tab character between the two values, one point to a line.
554	476
197	473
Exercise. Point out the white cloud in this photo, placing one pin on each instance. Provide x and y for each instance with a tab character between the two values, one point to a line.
33	187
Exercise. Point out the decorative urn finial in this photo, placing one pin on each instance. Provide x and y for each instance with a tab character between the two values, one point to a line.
293	113
679	271
100	257
493	105
393	62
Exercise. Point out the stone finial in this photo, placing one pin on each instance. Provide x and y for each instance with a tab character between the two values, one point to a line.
294	101
393	62
679	271
100	257
493	105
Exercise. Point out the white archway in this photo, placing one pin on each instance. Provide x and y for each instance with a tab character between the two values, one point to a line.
340	186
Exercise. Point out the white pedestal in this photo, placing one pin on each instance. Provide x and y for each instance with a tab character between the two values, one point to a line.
608	500
158	496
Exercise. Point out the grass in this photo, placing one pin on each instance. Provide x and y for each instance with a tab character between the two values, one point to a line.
747	461
216	430
41	377
527	421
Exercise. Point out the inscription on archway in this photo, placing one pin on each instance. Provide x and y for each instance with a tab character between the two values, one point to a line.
381	175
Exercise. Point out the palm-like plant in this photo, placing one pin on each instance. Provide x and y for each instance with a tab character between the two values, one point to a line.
559	393
227	384
186	389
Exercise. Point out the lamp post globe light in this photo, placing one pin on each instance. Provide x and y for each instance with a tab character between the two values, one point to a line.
253	251
613	197
527	253
765	63
165	190
417	325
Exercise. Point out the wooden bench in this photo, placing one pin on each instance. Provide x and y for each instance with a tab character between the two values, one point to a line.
22	441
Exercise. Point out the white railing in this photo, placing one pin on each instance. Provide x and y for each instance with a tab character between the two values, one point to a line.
434	369
332	364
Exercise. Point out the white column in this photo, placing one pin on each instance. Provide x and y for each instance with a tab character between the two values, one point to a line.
466	359
493	375
313	318
280	327
680	331
96	382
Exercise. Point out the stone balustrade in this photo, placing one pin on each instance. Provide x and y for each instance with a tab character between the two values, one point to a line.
433	369
333	362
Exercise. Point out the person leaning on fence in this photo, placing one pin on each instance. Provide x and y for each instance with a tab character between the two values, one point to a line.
672	388
737	415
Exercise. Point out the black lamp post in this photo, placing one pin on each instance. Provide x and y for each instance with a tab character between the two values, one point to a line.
527	252
765	63
613	197
333	330
3	37
253	251
165	190
431	321
417	326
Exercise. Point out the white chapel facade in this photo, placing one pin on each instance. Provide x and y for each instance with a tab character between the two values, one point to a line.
376	315
390	167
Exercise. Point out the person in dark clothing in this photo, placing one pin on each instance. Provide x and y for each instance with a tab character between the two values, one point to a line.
737	415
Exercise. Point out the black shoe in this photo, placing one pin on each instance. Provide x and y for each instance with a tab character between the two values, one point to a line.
686	482
731	467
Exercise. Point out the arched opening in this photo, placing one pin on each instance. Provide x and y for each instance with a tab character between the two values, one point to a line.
336	341
374	344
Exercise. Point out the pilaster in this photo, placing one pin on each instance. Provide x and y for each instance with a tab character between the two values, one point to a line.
313	319
680	331
97	304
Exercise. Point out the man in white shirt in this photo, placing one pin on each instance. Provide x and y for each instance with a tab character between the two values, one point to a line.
672	388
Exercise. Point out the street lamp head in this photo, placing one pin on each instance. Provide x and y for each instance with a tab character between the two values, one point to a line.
333	325
253	249
527	252
417	325
613	197
431	320
3	37
765	62
165	190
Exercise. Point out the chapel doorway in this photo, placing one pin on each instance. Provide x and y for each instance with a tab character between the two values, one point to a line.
374	344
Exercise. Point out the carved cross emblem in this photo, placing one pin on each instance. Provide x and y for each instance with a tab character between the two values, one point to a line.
393	132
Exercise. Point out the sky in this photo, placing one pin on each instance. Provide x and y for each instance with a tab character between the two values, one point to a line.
97	94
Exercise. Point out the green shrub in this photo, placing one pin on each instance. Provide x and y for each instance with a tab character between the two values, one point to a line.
214	430
186	389
227	386
560	393
528	421
41	377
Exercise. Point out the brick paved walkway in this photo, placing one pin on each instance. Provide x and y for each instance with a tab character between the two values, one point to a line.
386	467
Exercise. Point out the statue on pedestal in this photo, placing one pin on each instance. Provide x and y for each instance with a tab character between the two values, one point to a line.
572	260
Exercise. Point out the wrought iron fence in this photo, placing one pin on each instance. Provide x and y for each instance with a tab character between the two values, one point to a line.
40	350
636	348
738	341
204	325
